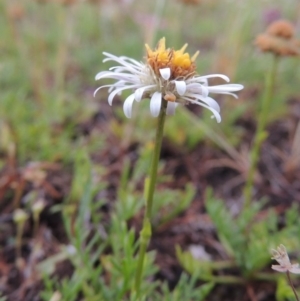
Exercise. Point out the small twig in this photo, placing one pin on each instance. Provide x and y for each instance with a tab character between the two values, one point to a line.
250	292
292	286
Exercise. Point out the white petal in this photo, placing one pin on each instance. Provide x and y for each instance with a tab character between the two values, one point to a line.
180	87
197	80
127	106
165	73
98	75
279	268
171	106
135	62
155	104
226	78
139	92
197	89
106	86
225	88
125	70
207	100
127	77
211	102
232	94
123	61
117	91
204	91
194	86
215	112
103	74
295	269
205	81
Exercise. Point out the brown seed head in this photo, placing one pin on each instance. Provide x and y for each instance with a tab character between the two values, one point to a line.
281	28
277	45
279	39
16	11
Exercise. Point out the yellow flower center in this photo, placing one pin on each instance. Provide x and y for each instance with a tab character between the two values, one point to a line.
179	62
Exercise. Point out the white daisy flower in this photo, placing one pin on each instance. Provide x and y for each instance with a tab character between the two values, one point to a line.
167	75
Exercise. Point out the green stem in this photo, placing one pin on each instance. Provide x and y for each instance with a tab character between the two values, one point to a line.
145	236
155	159
260	134
145	233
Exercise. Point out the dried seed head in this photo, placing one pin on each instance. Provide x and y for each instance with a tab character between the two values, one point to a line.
281	28
279	39
278	46
16	11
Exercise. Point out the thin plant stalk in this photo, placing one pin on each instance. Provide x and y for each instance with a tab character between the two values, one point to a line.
20	230
292	286
146	231
19	217
260	134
